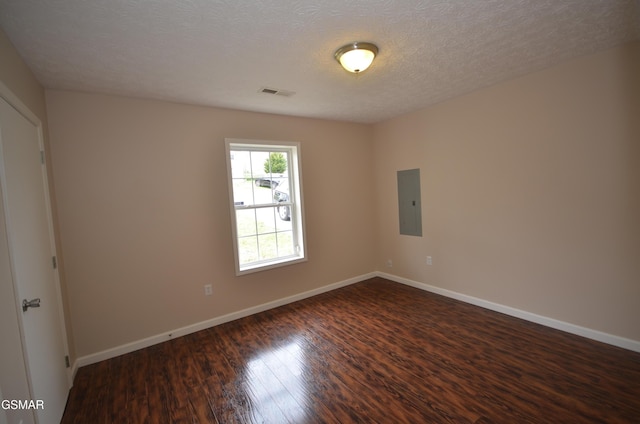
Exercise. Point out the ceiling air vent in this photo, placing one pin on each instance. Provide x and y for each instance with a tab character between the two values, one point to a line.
276	92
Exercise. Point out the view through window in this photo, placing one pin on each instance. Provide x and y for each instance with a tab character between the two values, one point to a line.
266	201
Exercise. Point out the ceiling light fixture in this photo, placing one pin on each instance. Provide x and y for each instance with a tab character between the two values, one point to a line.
356	57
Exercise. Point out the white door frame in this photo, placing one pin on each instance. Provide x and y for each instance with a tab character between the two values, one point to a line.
17	104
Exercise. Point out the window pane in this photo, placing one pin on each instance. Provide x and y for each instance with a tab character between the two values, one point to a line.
277	163
268	246
258	160
283	223
243	194
246	222
247	250
264	190
266	219
281	192
285	243
240	164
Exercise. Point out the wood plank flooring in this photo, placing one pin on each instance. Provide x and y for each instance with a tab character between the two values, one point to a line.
372	352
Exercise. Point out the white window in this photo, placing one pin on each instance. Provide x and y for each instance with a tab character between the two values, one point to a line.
265	190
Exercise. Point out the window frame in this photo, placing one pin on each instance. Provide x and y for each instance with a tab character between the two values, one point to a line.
296	203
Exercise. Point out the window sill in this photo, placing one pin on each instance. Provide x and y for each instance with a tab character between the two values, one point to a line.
264	266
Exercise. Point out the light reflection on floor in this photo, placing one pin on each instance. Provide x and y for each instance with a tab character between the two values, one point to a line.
276	383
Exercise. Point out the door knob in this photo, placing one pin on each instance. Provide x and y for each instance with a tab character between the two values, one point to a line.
26	304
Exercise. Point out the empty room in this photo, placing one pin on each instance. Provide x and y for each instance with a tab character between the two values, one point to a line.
320	212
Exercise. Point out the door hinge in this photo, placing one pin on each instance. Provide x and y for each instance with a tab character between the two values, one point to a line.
54	261
42	157
67	363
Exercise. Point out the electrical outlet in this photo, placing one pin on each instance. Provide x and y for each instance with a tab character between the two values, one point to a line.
429	260
208	290
389	263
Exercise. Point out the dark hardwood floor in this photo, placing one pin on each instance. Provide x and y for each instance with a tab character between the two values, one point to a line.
373	352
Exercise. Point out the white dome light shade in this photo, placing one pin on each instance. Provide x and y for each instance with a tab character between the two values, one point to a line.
356	57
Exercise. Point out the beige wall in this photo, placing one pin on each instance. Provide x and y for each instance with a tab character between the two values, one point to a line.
144	212
530	191
15	74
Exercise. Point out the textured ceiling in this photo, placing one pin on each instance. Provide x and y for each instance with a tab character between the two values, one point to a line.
222	52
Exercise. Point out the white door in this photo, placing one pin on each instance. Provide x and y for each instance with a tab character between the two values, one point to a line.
3	415
31	251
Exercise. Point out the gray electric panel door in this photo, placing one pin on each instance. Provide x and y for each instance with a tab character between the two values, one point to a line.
409	204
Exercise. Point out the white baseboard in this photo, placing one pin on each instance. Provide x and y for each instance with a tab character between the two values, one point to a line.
528	316
622	342
160	338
